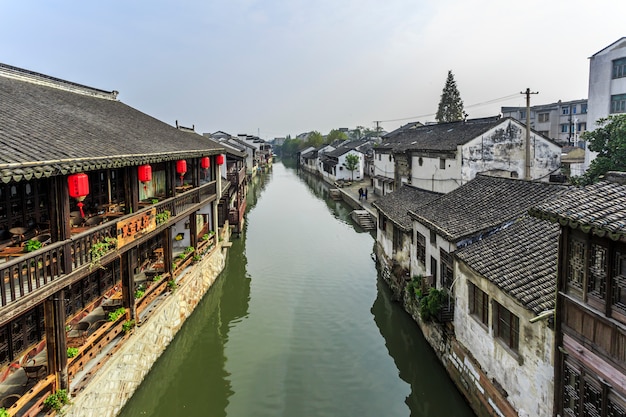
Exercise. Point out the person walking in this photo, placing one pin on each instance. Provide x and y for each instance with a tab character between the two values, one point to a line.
360	193
365	193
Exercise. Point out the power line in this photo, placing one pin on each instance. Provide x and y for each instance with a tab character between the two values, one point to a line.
495	100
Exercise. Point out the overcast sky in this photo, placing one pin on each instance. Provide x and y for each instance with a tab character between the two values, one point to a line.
279	67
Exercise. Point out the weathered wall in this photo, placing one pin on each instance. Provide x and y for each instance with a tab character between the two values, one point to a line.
503	149
122	374
428	175
479	388
526	375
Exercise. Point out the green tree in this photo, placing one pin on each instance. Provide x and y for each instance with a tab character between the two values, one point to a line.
451	106
315	139
609	140
335	135
352	163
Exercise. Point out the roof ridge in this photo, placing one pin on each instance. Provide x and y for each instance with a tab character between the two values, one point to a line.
21	74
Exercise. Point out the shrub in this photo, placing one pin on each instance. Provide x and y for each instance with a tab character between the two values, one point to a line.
128	325
114	315
71	352
431	303
32	245
57	400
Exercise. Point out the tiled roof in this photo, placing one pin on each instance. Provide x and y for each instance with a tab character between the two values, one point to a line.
440	136
395	206
600	208
52	127
521	260
482	205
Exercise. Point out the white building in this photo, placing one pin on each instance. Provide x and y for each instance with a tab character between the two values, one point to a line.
563	121
607	85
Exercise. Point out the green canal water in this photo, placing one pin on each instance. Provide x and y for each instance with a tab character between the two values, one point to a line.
298	324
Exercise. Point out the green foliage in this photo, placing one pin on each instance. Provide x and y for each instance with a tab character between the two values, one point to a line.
450	106
140	291
4	412
196	258
156	278
206	236
334	135
609	140
116	314
315	139
172	284
181	256
71	352
32	245
162	217
189	249
431	303
414	287
154	200
57	400
128	325
99	249
352	163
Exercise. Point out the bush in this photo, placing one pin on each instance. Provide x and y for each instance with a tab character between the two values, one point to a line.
57	400
431	303
71	352
114	315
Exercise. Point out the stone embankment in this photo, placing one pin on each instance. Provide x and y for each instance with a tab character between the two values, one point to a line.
123	372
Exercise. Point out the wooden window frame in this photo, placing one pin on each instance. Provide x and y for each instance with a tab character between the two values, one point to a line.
478	303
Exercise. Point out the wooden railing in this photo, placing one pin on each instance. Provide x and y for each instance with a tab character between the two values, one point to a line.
25	274
238	177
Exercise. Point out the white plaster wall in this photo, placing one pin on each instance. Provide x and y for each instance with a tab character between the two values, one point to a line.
180	228
429	176
432	250
528	376
384	167
385	239
503	148
345	173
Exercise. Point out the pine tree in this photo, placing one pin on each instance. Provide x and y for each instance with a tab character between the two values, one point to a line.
451	106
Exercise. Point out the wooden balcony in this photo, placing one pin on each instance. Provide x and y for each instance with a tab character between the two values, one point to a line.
237	178
39	274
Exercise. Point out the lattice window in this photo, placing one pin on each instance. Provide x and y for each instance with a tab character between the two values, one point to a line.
618	290
598	271
592	400
576	266
4	345
571	391
616	407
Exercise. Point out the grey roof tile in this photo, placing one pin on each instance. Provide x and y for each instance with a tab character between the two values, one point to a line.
521	260
395	206
482	205
69	129
599	207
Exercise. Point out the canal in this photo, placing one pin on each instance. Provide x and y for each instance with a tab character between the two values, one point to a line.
298	324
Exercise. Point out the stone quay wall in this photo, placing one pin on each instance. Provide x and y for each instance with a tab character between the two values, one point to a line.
117	380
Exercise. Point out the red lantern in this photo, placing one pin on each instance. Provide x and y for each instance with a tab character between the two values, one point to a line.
205	162
145	175
78	185
220	159
181	169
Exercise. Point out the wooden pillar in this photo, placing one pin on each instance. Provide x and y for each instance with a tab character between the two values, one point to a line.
128	259
193	230
56	346
131	193
167	250
170	178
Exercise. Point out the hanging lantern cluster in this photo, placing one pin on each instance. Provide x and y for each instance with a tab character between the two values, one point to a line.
145	175
181	169
220	159
78	185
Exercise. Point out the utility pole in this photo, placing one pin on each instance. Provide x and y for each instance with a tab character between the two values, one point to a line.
527	145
